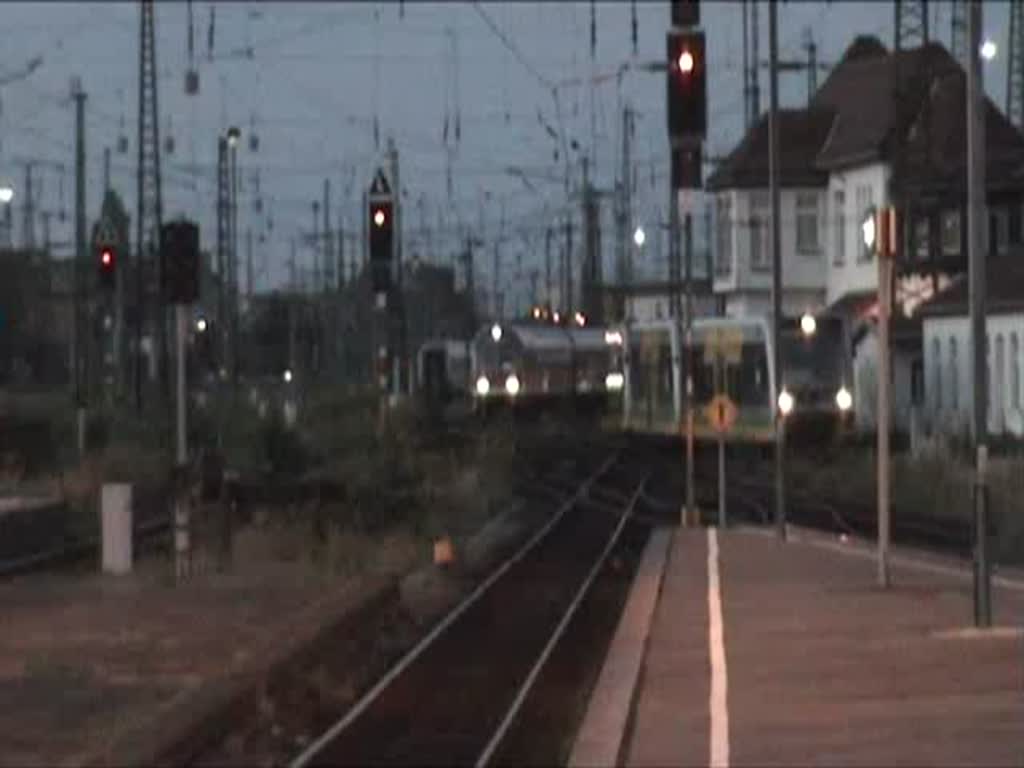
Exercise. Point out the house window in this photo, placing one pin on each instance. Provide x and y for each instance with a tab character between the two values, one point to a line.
954	378
921	238
996	232
1014	371
760	232
1013	222
839	206
937	379
950	233
723	235
807	223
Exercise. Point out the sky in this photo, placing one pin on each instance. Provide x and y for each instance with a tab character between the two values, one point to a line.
321	73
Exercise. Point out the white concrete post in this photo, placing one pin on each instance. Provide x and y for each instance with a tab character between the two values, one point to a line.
116	527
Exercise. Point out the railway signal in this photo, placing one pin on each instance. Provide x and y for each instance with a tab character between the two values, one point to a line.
380	225
179	256
106	267
686	82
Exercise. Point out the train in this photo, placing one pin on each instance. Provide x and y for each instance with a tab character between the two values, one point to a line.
735	386
533	365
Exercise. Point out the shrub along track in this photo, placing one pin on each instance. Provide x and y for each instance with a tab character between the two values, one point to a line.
543	618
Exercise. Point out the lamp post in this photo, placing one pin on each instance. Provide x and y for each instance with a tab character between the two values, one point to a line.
234	135
6	197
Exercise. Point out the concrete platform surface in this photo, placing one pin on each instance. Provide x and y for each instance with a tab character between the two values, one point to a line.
763	652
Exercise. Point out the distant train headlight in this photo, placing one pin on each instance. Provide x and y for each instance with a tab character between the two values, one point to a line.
483	386
786	402
512	384
496	333
613	338
844	399
614	381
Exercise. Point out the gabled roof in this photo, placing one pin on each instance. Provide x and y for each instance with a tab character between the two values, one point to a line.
1004	289
801	132
877	105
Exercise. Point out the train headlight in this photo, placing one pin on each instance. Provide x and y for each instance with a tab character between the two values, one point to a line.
786	402
613	338
496	333
614	381
512	384
483	386
844	399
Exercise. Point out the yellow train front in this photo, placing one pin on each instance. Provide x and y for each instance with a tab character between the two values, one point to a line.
735	387
534	367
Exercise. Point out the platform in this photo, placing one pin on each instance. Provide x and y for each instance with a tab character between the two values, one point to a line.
787	653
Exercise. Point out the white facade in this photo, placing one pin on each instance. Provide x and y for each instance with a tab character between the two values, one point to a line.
949	384
865	384
657	306
743	266
851	193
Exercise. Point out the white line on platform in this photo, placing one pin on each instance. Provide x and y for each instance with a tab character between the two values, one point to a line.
719	705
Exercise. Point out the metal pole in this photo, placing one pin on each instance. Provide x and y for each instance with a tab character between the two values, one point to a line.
80	335
181	508
691	482
976	288
884	376
773	182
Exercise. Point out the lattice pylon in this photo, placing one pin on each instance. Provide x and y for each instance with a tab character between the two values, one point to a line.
149	198
910	23
1015	66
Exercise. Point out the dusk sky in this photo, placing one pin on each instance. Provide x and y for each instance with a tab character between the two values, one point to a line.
321	71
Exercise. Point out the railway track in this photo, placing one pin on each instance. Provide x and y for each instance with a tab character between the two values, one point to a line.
455	696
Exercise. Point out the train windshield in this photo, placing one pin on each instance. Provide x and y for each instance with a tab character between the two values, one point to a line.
813	361
735	364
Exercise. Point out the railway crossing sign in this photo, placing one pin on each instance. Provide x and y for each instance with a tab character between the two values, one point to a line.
724	343
721	413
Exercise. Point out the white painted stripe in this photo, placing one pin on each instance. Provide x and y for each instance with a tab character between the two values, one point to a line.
524	689
719	705
311	751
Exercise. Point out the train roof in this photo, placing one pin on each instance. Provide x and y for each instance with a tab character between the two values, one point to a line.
535	336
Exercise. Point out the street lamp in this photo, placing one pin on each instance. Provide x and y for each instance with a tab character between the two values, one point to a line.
496	333
6	193
287	375
786	402
639	237
201	325
234	135
867	229
989	49
808	325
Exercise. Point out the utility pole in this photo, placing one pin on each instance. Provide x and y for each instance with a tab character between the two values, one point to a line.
773	182
976	288
106	168
28	224
547	266
223	247
248	266
292	299
496	305
79	334
567	266
149	199
233	257
751	62
330	281
958	31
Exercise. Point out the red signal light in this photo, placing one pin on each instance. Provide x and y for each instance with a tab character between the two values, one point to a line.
685	62
107	257
379	217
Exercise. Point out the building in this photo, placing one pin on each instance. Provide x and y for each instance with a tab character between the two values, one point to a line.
885	128
948	362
